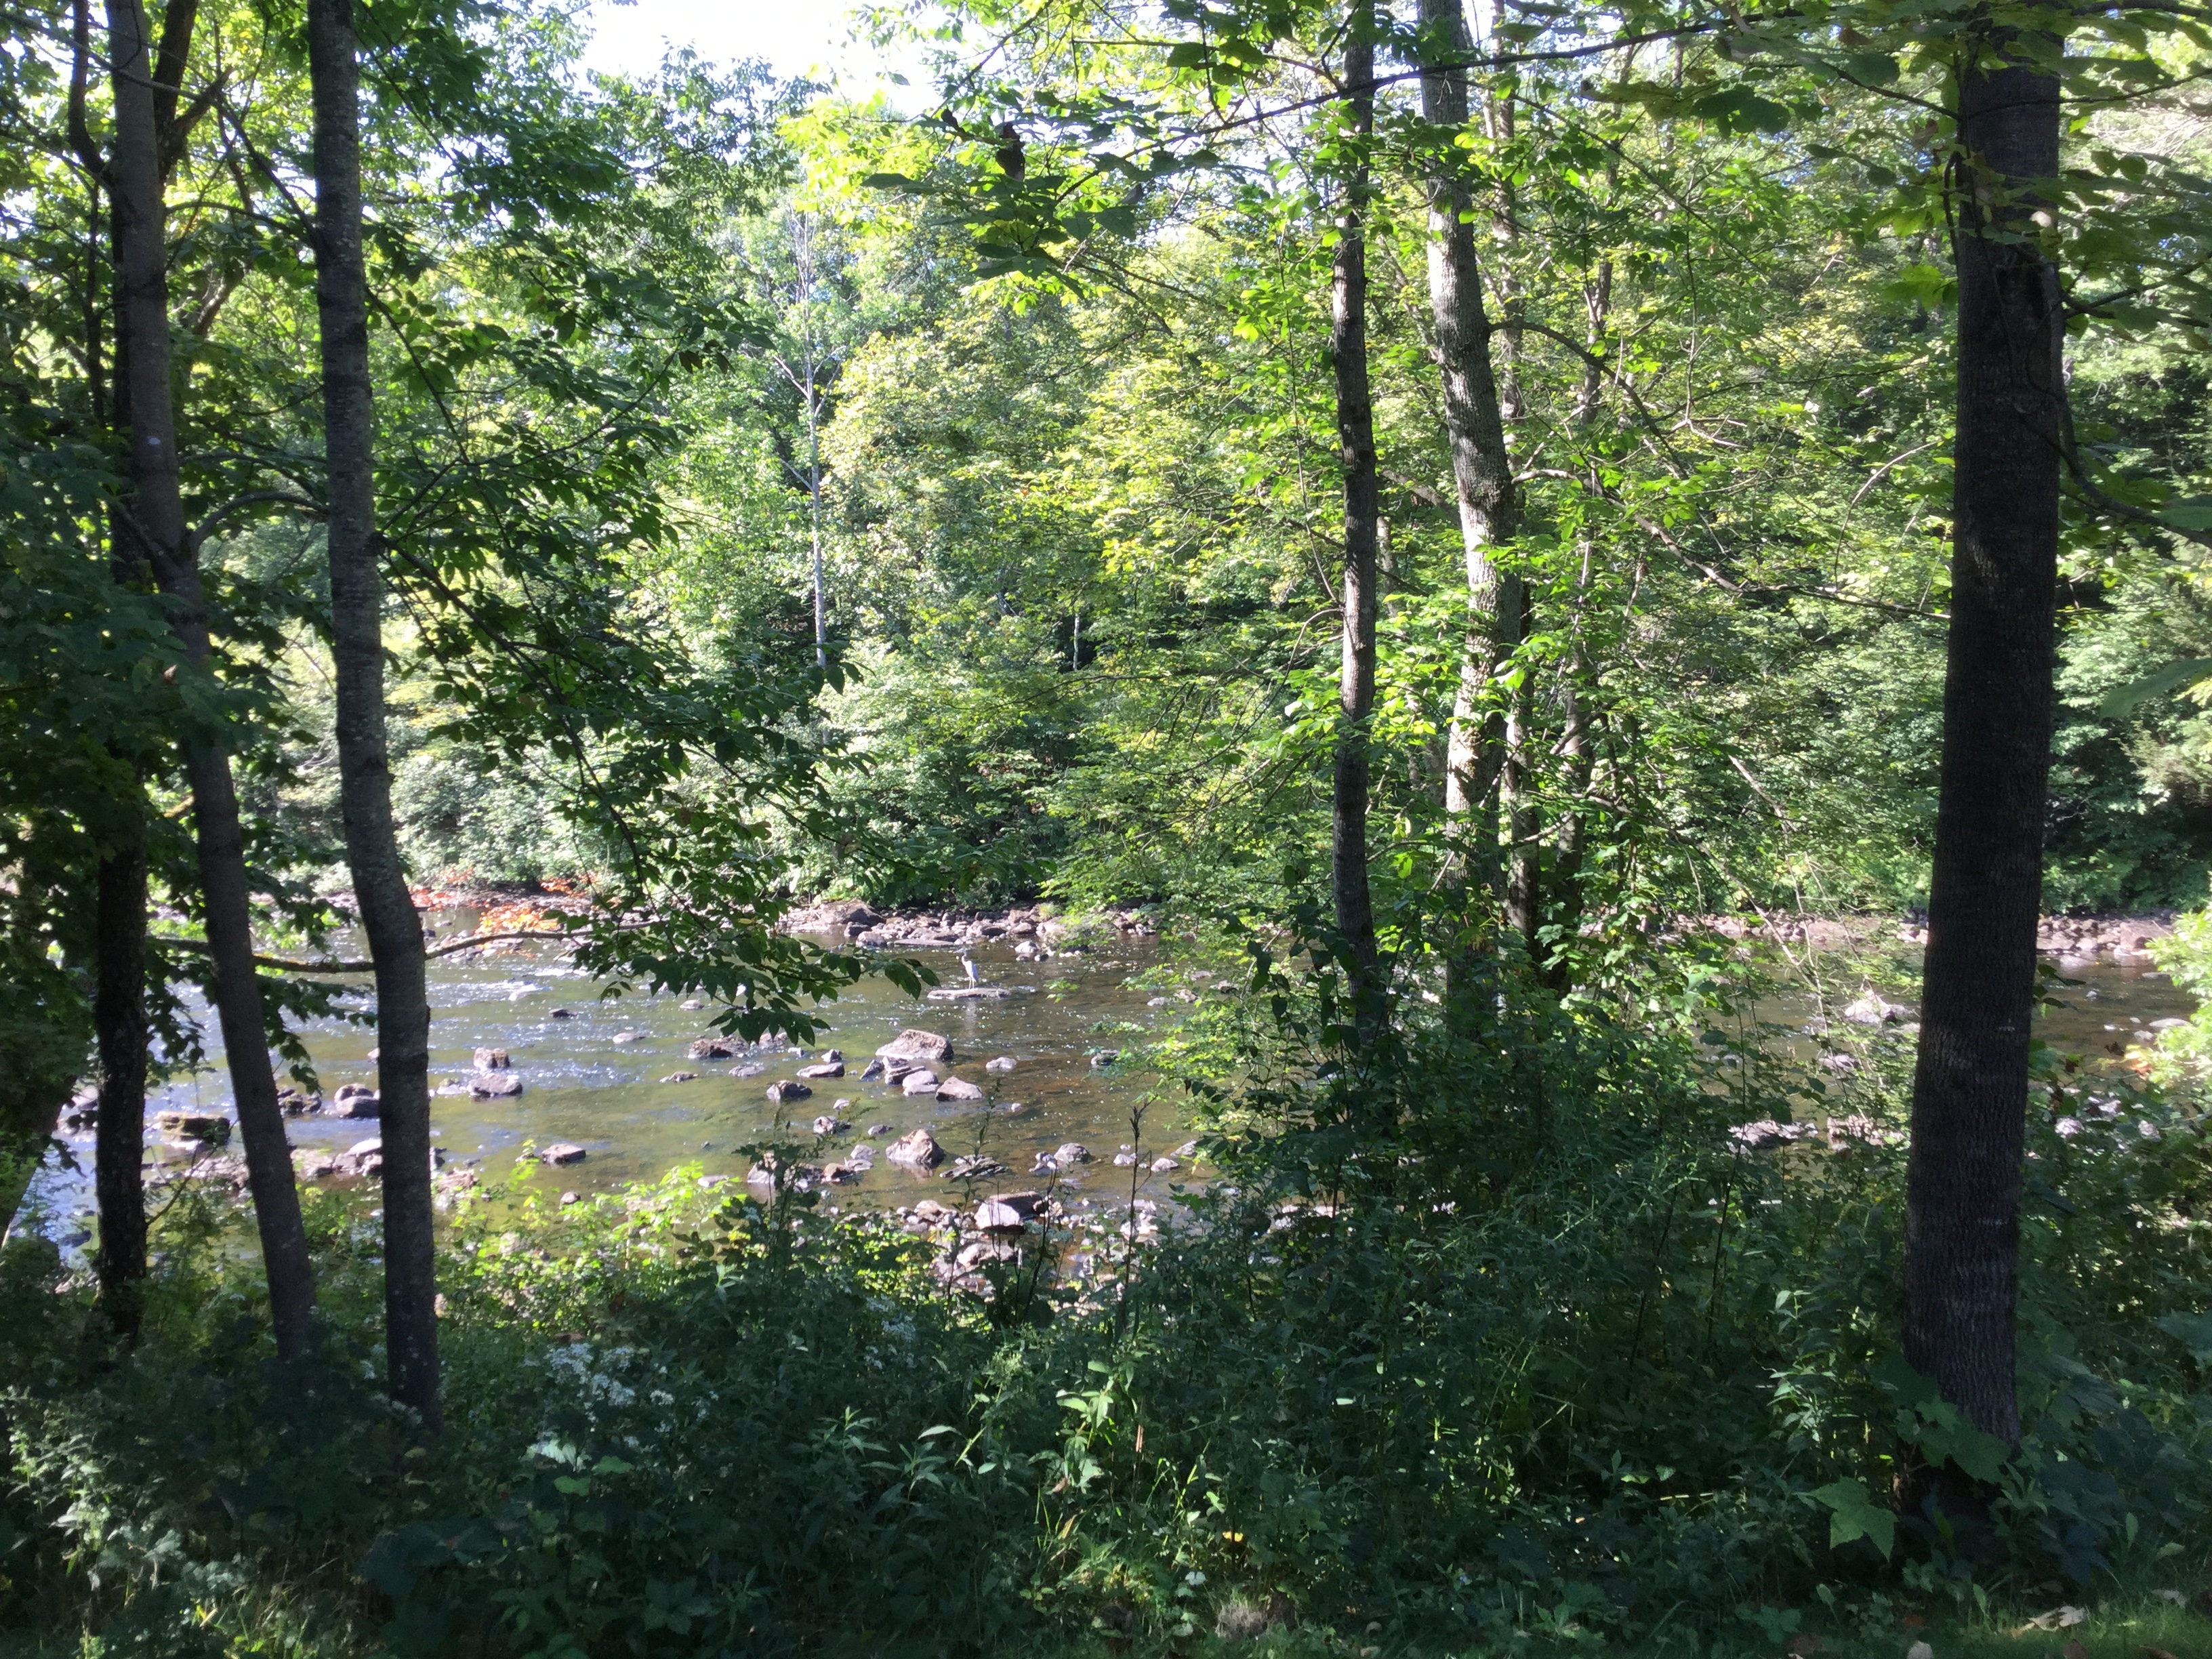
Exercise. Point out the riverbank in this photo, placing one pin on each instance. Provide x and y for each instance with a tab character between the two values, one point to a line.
2117	936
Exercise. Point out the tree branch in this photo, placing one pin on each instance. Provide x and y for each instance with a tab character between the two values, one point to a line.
335	965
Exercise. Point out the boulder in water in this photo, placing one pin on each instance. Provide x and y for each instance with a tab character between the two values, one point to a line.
917	1045
918	1151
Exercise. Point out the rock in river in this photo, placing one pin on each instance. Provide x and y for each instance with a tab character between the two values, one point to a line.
956	1088
917	1045
779	1092
495	1085
1871	1010
354	1100
209	1128
918	1151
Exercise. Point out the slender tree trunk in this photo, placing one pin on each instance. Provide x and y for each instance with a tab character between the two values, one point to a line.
1482	468
1970	1090
156	520
805	262
1355	428
119	1135
380	876
1524	828
1576	758
120	1028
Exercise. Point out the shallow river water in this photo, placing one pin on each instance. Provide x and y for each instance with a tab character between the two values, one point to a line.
581	1086
611	1098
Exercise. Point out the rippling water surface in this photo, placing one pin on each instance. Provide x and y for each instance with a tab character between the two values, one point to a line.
610	1098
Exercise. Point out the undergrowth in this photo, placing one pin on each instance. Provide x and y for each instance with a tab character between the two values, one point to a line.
1490	1342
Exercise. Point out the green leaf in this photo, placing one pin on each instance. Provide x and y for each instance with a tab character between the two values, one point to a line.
1856	1515
1740	110
2194	1333
1924	285
2175	676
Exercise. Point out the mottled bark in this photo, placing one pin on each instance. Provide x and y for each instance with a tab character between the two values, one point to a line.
1970	1090
1355	428
154	518
379	877
1482	470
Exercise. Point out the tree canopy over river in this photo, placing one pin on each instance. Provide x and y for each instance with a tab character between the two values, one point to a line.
1574	638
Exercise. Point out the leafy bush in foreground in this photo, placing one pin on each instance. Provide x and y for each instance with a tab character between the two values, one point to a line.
1505	1342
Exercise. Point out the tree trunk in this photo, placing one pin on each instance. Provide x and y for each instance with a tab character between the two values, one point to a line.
156	519
119	1135
380	878
1970	1089
1355	428
1524	858
119	1013
1575	759
1482	469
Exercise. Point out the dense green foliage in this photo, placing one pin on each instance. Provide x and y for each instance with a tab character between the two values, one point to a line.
1496	1327
1635	1393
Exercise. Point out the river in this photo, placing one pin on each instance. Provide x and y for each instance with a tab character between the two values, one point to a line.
583	1086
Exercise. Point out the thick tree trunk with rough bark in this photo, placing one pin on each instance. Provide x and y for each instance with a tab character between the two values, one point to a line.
1355	428
1970	1091
1482	470
156	519
379	877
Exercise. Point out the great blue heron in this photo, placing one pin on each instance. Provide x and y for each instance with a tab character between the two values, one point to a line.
968	963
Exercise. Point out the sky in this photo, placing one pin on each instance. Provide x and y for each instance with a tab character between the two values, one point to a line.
795	36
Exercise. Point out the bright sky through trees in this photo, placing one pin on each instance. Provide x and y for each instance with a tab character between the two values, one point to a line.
803	39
